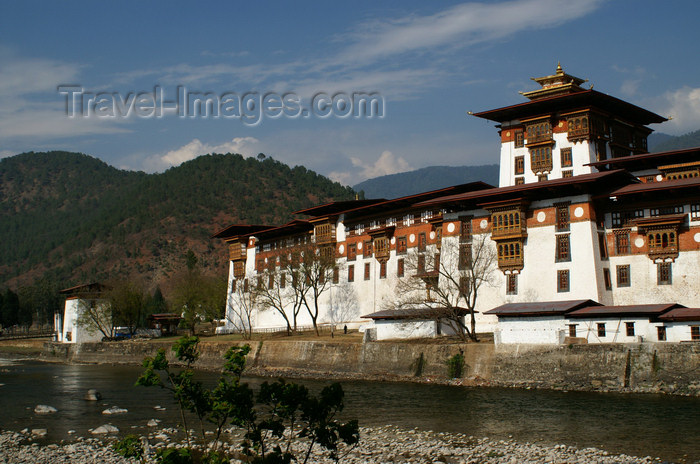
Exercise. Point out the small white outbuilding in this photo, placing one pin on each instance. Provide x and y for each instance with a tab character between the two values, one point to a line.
77	299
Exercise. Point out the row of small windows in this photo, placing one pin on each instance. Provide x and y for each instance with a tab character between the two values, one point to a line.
602	332
664	273
624	218
407	220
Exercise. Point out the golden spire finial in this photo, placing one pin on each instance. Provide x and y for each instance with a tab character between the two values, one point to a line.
559	70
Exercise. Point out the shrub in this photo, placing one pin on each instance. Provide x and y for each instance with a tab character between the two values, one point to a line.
455	366
280	415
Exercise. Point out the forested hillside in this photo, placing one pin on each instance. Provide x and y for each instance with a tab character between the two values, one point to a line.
425	179
663	142
71	218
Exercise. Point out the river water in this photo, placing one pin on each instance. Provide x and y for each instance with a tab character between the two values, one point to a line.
656	425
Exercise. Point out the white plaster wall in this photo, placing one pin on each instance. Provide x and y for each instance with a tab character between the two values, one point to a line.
679	331
644	288
615	329
530	330
70	319
393	329
582	153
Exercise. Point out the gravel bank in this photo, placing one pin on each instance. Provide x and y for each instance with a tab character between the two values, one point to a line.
377	445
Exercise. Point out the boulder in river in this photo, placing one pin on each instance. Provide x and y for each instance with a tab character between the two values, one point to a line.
103	429
115	410
93	395
44	409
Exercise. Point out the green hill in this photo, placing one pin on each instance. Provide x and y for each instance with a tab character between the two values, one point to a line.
426	179
664	142
73	218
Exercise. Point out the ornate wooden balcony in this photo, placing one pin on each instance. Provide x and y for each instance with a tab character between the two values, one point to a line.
324	234
236	251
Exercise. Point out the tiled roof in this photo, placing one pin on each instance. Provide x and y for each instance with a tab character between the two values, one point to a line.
569	102
542	308
624	310
536	189
681	314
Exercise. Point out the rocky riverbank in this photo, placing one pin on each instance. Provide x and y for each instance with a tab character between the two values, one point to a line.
377	445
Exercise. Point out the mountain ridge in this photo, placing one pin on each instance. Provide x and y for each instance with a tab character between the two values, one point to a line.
73	218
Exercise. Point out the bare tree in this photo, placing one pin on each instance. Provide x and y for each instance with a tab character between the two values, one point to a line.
271	293
448	280
242	305
317	271
95	315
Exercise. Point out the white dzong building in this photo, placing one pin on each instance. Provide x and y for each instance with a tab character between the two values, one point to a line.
582	213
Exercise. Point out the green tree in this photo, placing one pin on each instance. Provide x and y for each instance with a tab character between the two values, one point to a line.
197	296
127	301
10	309
155	304
280	415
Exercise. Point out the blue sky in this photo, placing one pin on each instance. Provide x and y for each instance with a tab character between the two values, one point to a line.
430	62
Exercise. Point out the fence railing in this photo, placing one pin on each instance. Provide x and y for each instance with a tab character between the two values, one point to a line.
12	333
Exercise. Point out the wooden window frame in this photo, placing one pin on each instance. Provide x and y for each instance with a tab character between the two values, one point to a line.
661	333
367	249
563	217
624	277
623	242
603	246
664	273
401	245
695	332
563	248
695	212
465	257
607	279
566	157
519	138
600	329
351	273
563	281
629	329
400	267
382	269
420	264
519	167
511	284
422	241
352	251
368	271
465	229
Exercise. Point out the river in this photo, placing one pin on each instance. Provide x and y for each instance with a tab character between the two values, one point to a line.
657	425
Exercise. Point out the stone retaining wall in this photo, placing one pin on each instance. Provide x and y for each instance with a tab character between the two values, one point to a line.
647	367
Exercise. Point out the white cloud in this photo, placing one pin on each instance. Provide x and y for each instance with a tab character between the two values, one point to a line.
246	146
373	55
683	106
464	24
387	163
32	107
